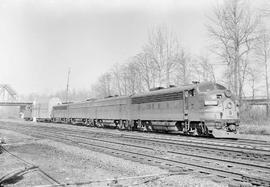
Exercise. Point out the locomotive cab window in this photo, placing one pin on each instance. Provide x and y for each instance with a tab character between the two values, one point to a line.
206	87
191	93
210	87
220	87
186	94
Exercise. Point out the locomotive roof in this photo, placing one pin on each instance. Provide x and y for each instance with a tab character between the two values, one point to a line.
112	98
101	99
156	92
62	104
167	90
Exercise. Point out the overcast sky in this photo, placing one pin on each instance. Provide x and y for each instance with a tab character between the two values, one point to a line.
41	39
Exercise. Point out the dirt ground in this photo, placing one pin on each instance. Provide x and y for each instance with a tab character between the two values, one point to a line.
70	164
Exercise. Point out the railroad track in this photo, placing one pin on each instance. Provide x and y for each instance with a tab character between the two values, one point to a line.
230	153
233	151
230	150
171	160
148	157
173	151
244	143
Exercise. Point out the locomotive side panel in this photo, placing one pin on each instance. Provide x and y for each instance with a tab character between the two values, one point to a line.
108	112
166	105
116	108
92	111
41	111
59	112
79	110
159	111
194	105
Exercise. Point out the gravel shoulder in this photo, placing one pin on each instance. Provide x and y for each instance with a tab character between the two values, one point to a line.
69	164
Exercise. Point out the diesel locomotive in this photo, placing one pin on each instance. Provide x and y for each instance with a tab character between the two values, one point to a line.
200	109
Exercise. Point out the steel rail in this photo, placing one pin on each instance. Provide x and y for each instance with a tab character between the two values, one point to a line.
259	165
214	148
180	142
244	143
207	142
189	164
201	168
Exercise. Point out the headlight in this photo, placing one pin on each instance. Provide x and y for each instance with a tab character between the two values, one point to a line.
211	103
229	105
228	93
218	126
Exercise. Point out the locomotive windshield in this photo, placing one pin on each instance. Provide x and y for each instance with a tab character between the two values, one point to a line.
220	87
210	86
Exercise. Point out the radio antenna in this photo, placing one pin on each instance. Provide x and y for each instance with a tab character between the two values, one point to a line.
67	85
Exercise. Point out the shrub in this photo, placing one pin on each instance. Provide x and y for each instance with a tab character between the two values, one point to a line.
254	120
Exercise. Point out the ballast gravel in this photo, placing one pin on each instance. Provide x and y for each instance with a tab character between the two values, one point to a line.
71	164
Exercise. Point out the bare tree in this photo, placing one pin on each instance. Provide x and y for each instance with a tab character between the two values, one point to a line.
233	28
161	62
263	56
203	70
254	76
117	77
162	49
266	8
131	78
182	67
103	86
146	71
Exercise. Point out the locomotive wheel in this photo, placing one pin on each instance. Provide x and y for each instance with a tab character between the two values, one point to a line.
199	129
206	132
202	130
116	125
143	126
95	123
100	124
125	125
73	122
91	123
149	128
86	122
120	125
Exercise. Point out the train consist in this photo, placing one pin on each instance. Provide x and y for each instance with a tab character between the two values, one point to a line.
203	109
41	110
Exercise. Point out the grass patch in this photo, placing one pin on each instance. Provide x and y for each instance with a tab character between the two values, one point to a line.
255	129
254	120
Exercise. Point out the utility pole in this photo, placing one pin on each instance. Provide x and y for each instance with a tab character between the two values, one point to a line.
67	85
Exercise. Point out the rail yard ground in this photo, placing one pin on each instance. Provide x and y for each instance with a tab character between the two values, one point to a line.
70	164
259	126
251	130
73	161
254	120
